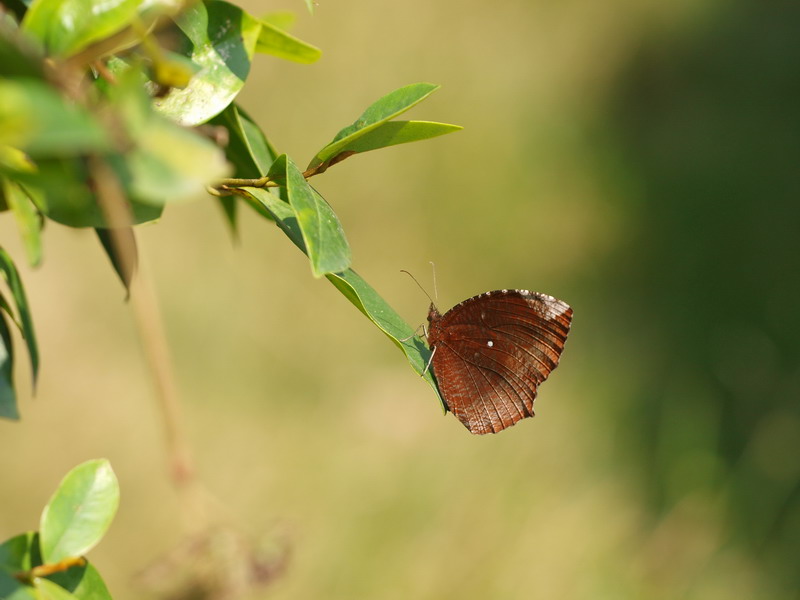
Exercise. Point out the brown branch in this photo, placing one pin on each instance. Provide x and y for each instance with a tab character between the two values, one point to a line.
149	323
49	569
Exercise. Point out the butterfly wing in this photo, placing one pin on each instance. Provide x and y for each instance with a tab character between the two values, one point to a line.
492	352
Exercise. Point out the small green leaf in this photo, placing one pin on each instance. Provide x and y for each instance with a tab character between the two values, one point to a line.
310	6
84	583
34	118
390	106
248	150
323	237
47	590
66	26
8	397
261	151
125	268
80	511
28	219
275	41
26	320
357	291
221	38
393	133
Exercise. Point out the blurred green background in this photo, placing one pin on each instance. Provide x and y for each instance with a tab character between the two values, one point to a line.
637	159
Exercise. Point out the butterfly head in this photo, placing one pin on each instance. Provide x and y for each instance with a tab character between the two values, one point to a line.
433	314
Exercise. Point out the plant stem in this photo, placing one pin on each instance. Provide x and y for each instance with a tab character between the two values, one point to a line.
149	323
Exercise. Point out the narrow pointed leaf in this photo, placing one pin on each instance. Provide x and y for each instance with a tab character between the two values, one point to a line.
8	397
390	106
25	319
124	267
277	42
357	291
323	237
248	150
80	511
261	151
393	133
369	302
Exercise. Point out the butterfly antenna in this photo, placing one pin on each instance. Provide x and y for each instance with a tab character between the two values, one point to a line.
435	289
419	285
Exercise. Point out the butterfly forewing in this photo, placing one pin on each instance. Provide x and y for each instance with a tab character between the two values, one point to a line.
492	351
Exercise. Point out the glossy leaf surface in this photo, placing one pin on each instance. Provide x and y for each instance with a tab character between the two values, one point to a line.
323	236
221	39
80	511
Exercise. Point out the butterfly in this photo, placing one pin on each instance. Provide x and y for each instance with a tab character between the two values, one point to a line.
491	352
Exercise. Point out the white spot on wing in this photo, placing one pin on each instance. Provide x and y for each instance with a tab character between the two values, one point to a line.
490	343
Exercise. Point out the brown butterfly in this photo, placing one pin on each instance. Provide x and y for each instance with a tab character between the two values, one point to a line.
491	352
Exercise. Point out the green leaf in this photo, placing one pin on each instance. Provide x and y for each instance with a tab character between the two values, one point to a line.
34	118
393	133
248	151
66	26
323	237
390	106
369	302
80	511
277	42
310	6
47	590
26	320
357	291
8	397
20	553
84	583
125	269
220	38
28	219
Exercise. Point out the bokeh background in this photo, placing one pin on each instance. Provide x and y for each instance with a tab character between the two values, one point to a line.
640	160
